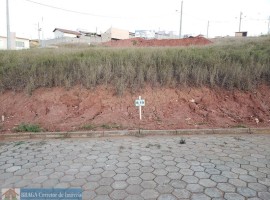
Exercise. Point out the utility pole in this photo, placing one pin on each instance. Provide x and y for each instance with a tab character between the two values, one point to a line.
181	16
240	21
39	35
207	29
8	27
269	25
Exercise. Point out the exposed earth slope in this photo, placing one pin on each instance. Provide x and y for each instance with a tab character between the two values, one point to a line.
58	109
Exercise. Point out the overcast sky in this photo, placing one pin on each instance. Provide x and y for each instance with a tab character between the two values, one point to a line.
223	16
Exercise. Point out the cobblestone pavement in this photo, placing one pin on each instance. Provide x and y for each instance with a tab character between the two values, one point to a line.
157	167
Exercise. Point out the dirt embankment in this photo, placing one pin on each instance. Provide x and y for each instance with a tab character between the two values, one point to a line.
139	42
58	109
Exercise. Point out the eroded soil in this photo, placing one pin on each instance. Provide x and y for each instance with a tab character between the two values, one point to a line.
59	109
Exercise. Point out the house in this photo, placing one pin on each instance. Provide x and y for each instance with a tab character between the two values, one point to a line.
115	34
17	43
61	33
241	34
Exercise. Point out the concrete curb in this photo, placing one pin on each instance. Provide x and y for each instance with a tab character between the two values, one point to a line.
137	133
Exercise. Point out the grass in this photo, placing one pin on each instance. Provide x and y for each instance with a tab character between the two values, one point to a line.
88	127
243	65
103	126
182	141
239	126
27	128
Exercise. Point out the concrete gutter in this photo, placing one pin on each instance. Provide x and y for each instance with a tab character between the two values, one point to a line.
137	133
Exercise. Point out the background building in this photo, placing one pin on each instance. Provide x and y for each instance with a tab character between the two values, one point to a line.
17	43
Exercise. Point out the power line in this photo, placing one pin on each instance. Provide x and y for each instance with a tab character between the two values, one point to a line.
72	11
89	14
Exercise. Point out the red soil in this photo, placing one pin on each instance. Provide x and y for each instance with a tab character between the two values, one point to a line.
58	109
139	42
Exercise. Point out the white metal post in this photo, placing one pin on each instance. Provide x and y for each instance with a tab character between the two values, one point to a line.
140	109
8	26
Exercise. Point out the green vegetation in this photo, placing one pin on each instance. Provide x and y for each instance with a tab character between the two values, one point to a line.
19	143
88	127
182	141
239	126
103	126
27	128
242	65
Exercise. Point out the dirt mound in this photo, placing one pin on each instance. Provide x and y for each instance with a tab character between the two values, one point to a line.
139	42
58	109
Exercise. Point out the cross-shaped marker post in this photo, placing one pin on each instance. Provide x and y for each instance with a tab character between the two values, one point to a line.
139	103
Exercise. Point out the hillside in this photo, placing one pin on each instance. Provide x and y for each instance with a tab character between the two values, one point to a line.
94	88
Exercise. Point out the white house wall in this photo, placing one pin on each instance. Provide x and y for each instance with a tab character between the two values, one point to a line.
25	43
60	34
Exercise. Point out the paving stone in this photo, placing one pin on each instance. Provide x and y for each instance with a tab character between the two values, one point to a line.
39	179
148	184
121	170
194	188
134	173
246	192
160	172
104	190
164	189
212	171
237	182
174	175
118	194
202	175
90	186
239	171
213	192
72	171
147	176
257	187
257	174
62	185
120	177
186	172
13	169
134	197
219	179
181	193
145	158
119	185
21	172
226	187
207	183
197	168
167	197
190	179
106	181
229	174
67	178
233	196
247	178
149	194
160	180
134	180
108	174
264	195
264	181
102	197
134	189
50	183
93	178
200	196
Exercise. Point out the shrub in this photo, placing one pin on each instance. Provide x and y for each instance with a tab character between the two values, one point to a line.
27	128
